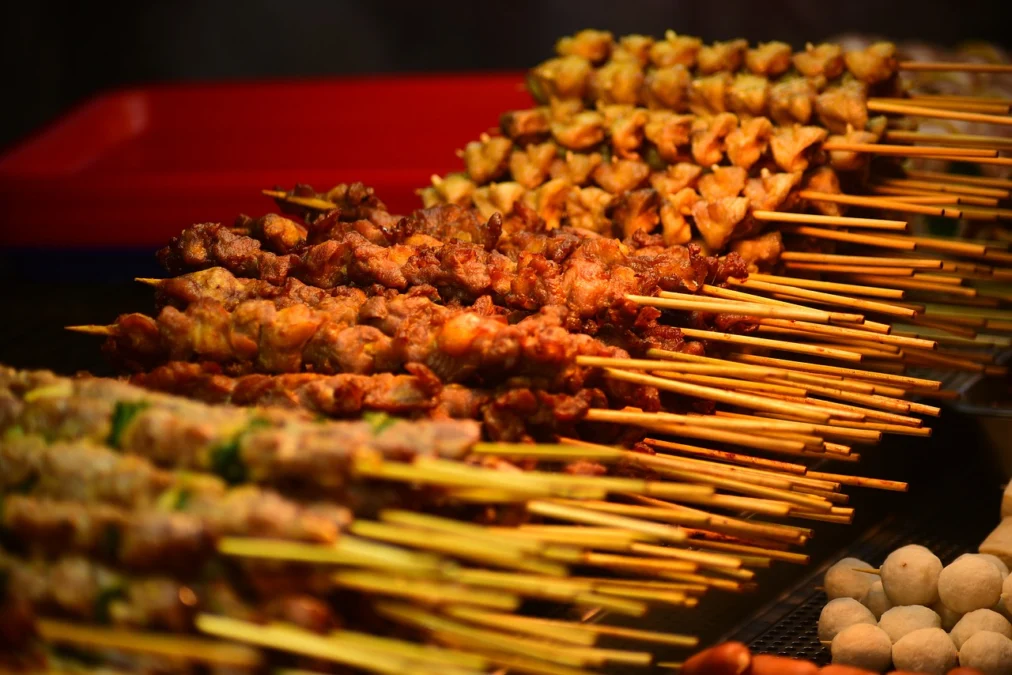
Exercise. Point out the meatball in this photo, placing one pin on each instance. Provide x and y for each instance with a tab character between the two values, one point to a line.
928	650
876	600
997	562
1006	595
862	646
842	613
910	576
949	618
842	581
990	653
979	620
900	621
970	583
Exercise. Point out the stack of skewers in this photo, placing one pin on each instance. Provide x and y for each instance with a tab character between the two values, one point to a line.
351	436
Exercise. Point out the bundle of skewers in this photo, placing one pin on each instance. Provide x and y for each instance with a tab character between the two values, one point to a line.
355	439
834	183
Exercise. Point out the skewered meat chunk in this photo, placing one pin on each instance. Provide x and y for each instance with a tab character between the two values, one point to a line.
876	63
575	168
666	88
529	167
635	48
770	191
846	160
721	56
674	209
549	202
760	253
525	126
791	146
843	107
616	82
592	45
579	132
747	143
769	59
717	220
621	175
826	61
565	77
625	127
586	209
636	210
677	177
279	233
488	158
708	137
708	95
726	181
668	132
824	179
748	94
792	100
675	50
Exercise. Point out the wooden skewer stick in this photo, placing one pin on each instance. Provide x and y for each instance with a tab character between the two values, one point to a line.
949	139
892	293
876	202
703	304
850	332
915	285
308	202
835	317
93	330
958	178
951	104
956	188
955	67
962	97
850	269
906	150
916	196
823	297
901	380
781	345
852	237
575	514
912	263
996	161
921	111
840	221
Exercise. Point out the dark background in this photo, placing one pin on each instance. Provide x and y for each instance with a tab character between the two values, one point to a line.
58	52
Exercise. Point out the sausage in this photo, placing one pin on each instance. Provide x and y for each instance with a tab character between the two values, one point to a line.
845	670
764	664
730	658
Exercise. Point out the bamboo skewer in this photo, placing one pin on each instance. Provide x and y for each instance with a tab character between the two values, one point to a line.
934	186
853	237
921	111
781	345
873	202
840	221
967	180
955	67
906	150
754	282
948	139
952	104
680	301
857	260
812	284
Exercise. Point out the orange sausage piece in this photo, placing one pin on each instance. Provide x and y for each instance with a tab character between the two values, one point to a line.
730	658
845	670
764	664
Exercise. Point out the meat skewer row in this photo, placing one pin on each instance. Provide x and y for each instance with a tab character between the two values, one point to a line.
510	414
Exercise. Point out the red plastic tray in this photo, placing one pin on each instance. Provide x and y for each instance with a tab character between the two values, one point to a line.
132	168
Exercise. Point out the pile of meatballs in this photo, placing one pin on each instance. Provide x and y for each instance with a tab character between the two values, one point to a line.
919	615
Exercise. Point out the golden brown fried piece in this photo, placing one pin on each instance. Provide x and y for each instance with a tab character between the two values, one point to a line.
792	100
843	106
723	181
625	127
760	253
579	132
769	59
488	158
530	166
708	95
497	198
589	44
575	167
564	77
708	134
669	131
635	48
525	126
549	201
791	146
635	211
824	179
454	188
616	82
770	191
845	160
666	87
874	64
748	94
675	50
677	177
586	207
621	175
747	143
826	61
721	57
675	228
717	220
